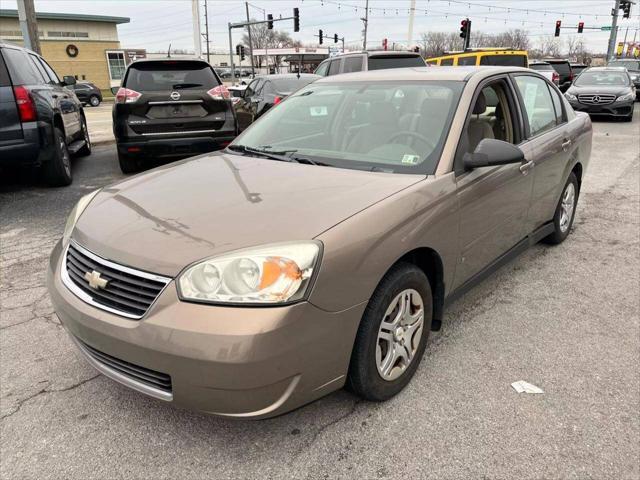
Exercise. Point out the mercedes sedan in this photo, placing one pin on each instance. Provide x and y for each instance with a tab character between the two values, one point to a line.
322	246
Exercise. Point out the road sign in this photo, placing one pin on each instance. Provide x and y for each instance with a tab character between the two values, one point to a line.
606	29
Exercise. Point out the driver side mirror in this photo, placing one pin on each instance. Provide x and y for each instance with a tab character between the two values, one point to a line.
68	80
491	152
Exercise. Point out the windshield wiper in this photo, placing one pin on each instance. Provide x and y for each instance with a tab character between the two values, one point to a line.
179	86
281	155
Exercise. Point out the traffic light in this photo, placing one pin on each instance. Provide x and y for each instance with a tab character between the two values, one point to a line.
270	22
558	23
320	36
416	49
626	9
240	51
580	27
296	20
463	28
385	43
335	38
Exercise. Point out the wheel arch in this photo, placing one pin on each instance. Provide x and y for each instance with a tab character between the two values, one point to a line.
577	171
430	262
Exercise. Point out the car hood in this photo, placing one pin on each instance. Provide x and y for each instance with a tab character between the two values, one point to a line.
170	217
599	89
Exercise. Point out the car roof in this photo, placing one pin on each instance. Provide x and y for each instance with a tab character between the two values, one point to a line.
421	73
380	53
539	63
608	69
279	76
555	60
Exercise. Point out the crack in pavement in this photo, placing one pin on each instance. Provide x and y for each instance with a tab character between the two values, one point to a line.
45	390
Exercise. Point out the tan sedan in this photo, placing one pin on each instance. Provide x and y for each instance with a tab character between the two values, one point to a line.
321	247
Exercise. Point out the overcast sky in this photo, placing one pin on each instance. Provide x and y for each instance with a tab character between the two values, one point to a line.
156	23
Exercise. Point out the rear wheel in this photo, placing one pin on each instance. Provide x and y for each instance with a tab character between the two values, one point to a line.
129	164
86	150
57	171
392	335
565	212
94	100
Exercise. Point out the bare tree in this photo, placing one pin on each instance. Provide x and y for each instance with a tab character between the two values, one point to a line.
433	44
262	37
577	49
549	46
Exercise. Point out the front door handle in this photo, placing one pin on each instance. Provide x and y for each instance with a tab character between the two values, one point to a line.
525	167
566	144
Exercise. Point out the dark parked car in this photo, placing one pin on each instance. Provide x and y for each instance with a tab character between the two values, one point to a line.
41	123
265	92
563	67
577	68
363	61
87	93
603	91
170	109
633	67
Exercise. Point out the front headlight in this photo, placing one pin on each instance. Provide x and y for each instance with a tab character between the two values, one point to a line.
626	97
571	97
75	215
272	274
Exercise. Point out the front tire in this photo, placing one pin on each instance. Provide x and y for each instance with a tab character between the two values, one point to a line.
128	164
57	171
392	335
94	101
565	212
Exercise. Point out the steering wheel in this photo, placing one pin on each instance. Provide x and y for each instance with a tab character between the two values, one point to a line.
409	133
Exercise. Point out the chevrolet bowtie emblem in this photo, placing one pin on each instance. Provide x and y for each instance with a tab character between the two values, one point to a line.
95	281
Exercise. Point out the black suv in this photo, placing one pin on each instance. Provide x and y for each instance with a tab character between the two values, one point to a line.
87	93
563	67
41	122
170	108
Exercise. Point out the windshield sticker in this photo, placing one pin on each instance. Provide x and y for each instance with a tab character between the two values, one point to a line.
318	111
411	159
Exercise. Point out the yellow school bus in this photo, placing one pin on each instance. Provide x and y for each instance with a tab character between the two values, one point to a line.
482	56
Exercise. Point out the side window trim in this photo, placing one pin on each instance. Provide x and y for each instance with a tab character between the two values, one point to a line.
39	68
50	71
525	118
562	114
514	108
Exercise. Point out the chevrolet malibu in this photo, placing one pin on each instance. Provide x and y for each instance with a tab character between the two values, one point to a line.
322	246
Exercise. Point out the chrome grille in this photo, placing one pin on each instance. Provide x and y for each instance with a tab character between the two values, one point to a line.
596	99
136	373
128	292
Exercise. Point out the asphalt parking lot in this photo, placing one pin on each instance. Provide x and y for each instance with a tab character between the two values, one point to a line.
564	318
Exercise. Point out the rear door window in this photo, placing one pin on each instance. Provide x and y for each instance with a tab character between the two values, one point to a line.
322	69
462	61
537	103
352	64
557	105
446	62
36	63
395	61
170	75
504	60
4	75
52	74
22	71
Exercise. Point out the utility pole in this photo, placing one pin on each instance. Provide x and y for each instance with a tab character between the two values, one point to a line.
253	71
366	24
29	25
197	34
206	28
233	68
614	30
412	13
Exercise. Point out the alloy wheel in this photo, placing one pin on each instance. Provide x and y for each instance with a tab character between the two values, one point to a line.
399	334
566	207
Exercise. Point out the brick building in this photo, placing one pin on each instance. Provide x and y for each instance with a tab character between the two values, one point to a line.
85	46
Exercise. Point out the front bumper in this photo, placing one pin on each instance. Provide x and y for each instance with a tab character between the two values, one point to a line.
615	109
228	361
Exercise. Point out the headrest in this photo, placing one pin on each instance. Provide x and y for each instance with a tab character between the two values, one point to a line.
383	113
481	105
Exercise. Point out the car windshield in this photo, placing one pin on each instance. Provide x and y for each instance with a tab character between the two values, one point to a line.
628	64
602	78
170	75
391	127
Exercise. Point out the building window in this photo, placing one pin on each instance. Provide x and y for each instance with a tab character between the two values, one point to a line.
68	34
117	65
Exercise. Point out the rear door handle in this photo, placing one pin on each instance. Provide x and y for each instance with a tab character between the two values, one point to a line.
525	167
566	144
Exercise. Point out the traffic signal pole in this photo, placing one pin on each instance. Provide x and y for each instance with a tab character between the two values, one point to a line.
253	70
614	30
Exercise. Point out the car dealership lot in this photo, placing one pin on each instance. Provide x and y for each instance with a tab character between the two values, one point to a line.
563	318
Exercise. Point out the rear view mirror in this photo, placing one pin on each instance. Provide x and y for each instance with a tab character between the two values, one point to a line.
114	90
492	152
68	80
